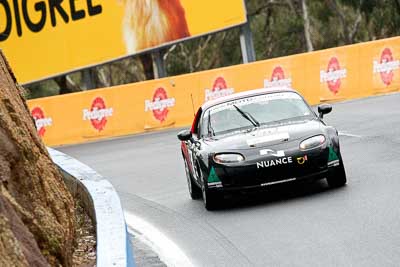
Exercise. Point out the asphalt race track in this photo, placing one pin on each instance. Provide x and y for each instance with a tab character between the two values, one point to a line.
303	225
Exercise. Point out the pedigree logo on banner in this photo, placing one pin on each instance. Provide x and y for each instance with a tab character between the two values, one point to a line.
158	109
278	79
219	89
98	114
385	69
41	121
333	76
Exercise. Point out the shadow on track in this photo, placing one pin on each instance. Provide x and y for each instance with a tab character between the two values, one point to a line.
276	194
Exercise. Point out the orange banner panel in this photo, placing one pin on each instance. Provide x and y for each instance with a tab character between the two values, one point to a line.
159	105
217	83
130	114
290	71
54	117
337	71
226	81
187	98
380	65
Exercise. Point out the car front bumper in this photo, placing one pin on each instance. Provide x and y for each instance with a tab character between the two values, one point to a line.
250	177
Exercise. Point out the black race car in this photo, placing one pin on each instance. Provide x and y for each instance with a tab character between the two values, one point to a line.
257	139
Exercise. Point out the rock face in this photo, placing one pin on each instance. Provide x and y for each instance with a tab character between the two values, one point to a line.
37	219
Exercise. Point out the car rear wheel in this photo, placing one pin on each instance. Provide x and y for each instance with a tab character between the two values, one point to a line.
194	190
337	177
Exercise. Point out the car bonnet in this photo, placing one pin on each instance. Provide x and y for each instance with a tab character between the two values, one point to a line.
265	136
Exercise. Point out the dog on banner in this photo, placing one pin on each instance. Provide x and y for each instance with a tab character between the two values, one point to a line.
149	23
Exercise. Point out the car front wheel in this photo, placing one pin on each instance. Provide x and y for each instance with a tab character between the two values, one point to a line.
337	177
212	200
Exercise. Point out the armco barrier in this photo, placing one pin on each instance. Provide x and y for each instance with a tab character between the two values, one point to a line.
328	75
101	201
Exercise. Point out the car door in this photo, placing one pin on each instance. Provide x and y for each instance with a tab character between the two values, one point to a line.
195	149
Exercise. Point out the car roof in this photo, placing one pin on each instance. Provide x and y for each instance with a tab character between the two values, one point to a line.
244	94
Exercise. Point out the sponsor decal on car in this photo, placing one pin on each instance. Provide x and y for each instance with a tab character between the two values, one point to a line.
41	121
386	66
274	162
333	75
213	179
333	159
160	104
219	89
302	160
332	155
334	163
270	152
98	113
279	182
268	138
278	79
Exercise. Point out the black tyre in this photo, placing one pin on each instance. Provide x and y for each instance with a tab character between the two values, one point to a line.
337	177
194	190
212	200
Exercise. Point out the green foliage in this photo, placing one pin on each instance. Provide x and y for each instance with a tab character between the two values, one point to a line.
41	89
218	50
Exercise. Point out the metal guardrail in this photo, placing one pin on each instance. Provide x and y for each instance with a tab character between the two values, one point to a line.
100	200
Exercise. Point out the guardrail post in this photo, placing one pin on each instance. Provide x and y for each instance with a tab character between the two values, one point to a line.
159	70
88	79
246	43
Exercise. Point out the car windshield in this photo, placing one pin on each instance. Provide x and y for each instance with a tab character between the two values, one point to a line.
248	113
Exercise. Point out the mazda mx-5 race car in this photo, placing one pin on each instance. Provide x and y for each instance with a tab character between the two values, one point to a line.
257	139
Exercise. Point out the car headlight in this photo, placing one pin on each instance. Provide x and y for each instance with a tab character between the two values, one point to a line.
228	158
312	142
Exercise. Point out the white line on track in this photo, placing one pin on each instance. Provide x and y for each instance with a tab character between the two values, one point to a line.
349	134
165	248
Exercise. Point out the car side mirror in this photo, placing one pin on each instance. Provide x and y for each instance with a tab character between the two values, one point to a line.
185	135
324	109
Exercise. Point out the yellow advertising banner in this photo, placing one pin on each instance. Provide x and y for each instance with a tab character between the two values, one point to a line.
42	39
329	75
